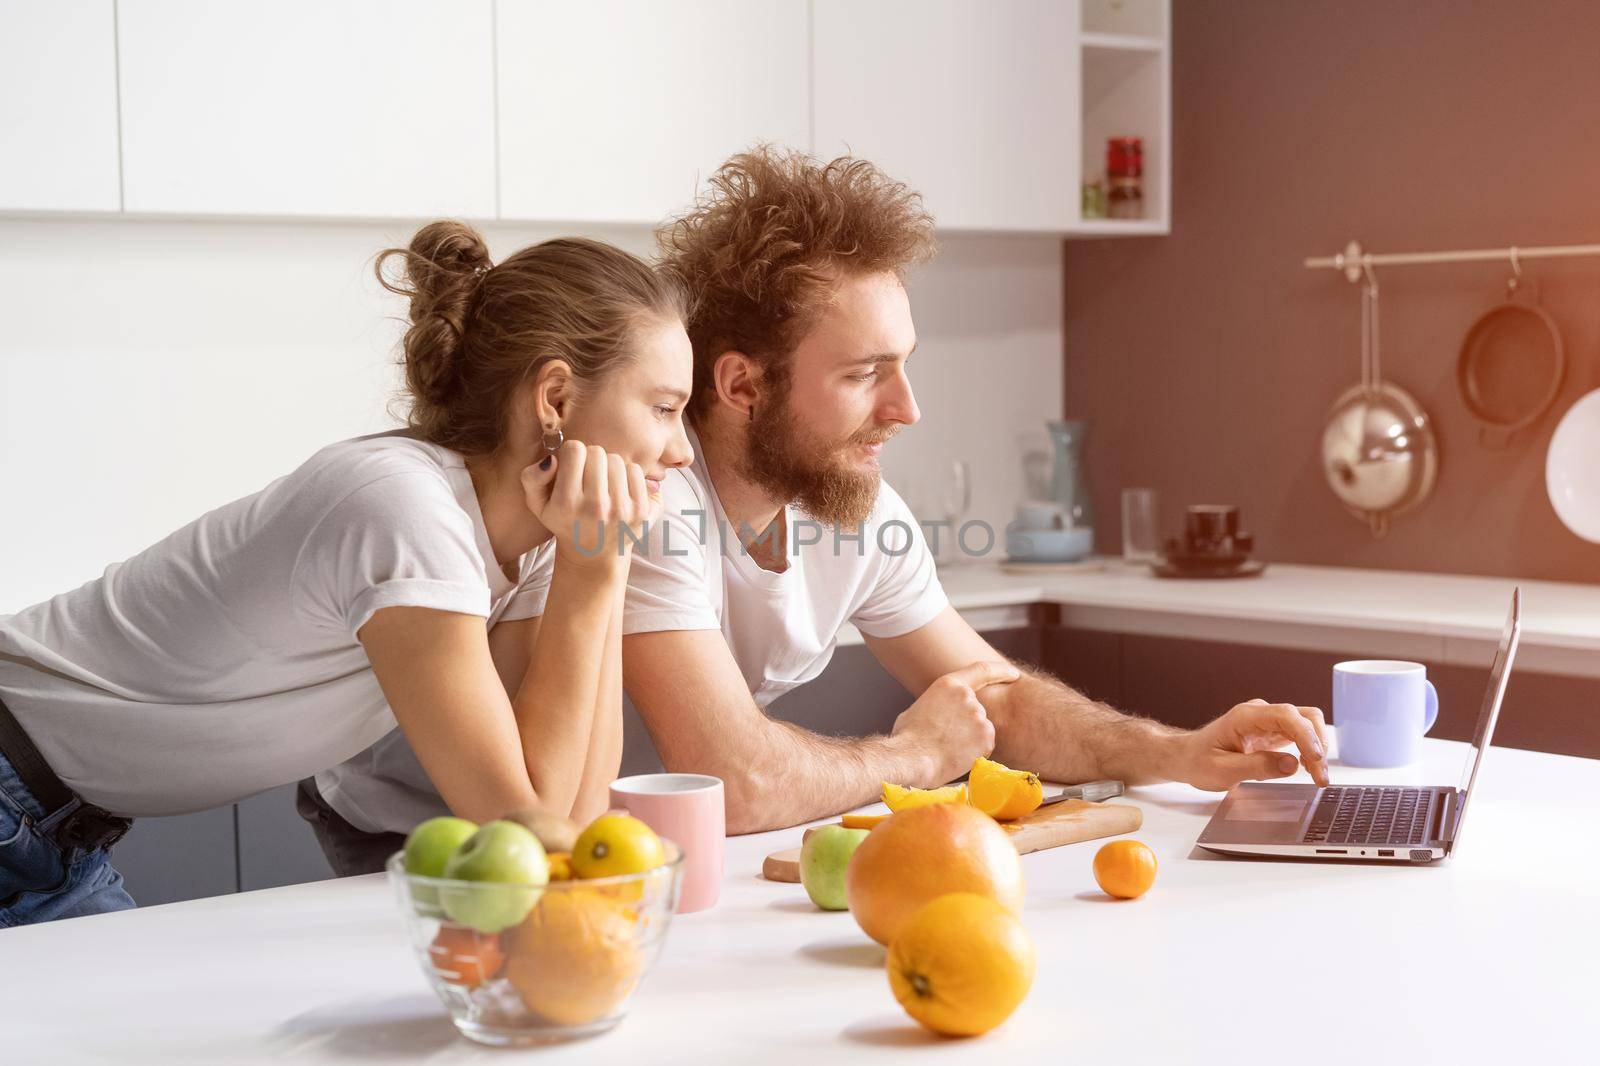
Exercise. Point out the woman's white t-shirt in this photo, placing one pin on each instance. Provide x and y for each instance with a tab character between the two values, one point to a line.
694	573
223	660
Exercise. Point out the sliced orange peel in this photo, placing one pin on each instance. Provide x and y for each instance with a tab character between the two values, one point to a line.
997	790
899	798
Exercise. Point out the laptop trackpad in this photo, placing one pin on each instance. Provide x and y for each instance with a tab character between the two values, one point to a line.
1256	813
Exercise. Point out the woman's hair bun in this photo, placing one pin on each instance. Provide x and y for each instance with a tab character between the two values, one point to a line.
440	273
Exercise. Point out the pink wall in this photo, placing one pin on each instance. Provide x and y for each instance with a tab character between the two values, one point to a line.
1207	359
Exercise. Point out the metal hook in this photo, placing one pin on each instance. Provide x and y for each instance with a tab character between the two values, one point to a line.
1370	373
1516	276
1372	277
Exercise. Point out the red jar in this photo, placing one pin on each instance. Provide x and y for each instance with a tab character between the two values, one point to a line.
1125	157
1125	177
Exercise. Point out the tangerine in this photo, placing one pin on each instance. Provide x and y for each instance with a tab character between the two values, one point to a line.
1125	868
465	957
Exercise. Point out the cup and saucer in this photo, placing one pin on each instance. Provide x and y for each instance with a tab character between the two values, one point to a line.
1212	546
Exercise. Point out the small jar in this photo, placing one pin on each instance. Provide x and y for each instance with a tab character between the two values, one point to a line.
1094	199
1125	177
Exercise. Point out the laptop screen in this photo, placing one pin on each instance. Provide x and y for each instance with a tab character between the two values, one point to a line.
1499	674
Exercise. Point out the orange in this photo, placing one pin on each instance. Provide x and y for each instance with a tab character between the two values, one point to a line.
918	855
961	964
900	798
861	821
560	866
466	957
574	959
1125	869
1001	792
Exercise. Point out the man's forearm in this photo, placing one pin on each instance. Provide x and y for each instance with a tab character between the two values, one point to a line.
785	774
1044	725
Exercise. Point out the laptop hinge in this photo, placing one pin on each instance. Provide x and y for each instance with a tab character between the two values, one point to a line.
1449	812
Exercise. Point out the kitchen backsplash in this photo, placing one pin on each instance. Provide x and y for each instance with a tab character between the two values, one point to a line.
1208	360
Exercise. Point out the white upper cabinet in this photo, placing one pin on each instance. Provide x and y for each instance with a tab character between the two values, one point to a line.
616	110
58	106
356	108
975	105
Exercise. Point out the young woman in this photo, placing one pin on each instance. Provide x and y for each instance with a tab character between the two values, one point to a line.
462	577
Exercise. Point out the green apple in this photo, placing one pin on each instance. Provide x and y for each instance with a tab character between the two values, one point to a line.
510	862
823	861
431	844
428	848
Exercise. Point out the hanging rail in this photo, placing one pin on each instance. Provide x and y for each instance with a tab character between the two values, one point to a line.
1353	258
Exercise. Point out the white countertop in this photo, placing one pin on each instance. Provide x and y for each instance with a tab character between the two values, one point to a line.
1438	617
1482	959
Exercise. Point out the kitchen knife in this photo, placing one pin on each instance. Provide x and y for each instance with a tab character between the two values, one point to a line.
1093	791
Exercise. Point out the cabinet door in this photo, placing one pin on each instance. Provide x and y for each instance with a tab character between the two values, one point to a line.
614	110
58	106
186	856
975	105
277	846
356	108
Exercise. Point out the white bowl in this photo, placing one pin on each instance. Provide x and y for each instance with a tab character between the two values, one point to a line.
1571	475
1049	545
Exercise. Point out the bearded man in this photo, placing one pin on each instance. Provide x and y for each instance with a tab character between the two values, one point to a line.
781	532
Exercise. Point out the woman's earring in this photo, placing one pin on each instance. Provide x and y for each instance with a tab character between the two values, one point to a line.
554	439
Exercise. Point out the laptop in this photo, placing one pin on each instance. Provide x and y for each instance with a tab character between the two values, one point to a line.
1363	823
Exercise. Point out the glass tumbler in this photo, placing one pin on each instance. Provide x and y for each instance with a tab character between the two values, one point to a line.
1141	531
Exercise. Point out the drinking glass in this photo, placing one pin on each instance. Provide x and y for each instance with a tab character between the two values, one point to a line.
1141	531
957	494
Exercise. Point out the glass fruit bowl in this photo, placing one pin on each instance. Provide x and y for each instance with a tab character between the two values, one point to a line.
529	964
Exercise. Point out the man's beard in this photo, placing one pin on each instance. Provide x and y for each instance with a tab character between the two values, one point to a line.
812	474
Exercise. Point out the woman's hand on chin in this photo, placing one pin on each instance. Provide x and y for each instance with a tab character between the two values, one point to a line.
588	498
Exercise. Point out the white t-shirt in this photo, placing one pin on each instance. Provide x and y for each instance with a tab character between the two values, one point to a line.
223	660
782	628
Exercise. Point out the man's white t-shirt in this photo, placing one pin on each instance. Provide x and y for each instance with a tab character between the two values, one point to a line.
694	573
781	627
223	660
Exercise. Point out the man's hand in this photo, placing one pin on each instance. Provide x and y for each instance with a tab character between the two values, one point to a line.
1241	745
947	724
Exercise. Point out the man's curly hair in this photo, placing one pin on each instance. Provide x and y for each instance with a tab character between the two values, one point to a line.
761	252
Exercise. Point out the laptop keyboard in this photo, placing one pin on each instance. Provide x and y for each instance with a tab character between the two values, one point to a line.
1370	815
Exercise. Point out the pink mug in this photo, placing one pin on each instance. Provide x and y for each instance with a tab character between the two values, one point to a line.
688	810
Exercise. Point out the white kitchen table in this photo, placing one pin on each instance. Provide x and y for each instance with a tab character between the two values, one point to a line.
1487	958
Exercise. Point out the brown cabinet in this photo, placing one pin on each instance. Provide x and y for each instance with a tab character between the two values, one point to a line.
1188	682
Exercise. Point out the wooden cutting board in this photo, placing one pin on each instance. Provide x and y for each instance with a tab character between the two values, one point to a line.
1067	822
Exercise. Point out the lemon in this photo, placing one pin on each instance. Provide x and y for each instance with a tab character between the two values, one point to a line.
616	844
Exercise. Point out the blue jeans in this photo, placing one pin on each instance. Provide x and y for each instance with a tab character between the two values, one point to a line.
39	879
349	850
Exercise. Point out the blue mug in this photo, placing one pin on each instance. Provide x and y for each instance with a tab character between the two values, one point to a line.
1382	708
